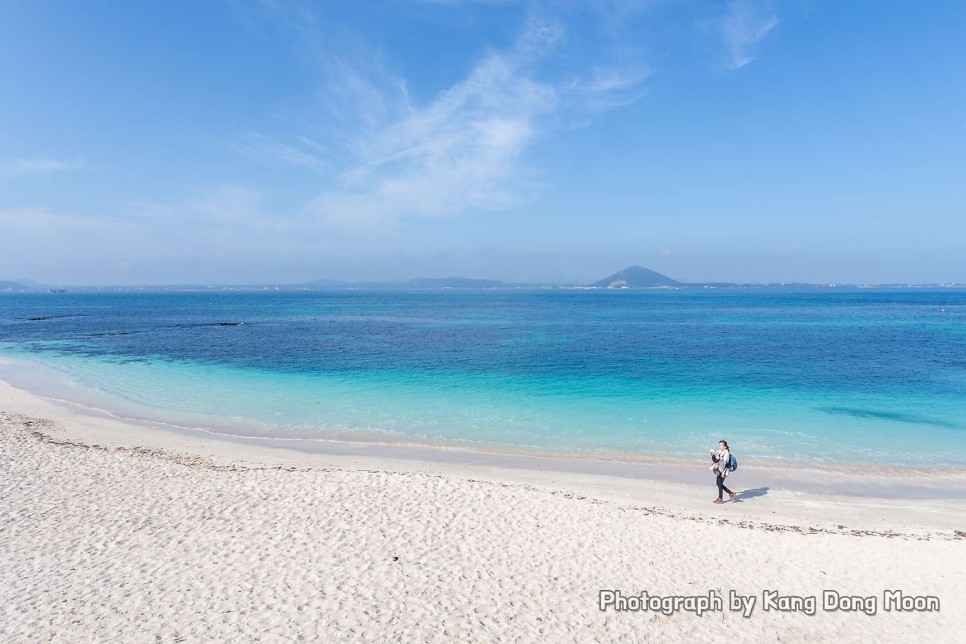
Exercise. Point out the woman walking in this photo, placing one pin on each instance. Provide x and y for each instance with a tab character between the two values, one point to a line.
721	467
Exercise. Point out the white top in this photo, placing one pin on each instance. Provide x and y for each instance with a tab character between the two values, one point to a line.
724	456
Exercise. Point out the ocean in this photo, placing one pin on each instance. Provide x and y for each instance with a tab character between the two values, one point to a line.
785	375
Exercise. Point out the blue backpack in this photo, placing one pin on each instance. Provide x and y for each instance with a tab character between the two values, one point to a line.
732	463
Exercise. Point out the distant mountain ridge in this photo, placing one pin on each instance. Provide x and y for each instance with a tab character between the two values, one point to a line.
419	283
31	284
16	287
636	277
458	282
630	277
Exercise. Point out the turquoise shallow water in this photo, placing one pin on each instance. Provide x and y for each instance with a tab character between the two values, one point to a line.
805	376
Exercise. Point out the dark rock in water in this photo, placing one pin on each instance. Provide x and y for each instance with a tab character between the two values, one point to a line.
40	318
229	323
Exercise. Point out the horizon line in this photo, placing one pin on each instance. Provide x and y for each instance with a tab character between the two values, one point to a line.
335	284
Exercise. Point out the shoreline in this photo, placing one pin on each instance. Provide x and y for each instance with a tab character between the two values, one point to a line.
823	478
841	502
863	476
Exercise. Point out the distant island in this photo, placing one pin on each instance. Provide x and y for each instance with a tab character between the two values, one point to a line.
635	277
632	277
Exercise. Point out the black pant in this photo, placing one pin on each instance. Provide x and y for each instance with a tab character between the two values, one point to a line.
721	486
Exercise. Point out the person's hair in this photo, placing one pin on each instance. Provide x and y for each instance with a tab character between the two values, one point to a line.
725	444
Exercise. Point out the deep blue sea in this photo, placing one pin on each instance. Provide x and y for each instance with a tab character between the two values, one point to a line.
854	375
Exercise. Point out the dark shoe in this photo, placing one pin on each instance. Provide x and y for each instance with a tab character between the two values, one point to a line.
718	501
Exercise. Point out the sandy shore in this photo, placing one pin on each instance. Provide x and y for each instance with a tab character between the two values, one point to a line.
113	531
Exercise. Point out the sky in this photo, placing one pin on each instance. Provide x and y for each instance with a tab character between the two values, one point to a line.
268	141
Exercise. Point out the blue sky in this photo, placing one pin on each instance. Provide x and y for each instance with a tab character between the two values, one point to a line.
271	141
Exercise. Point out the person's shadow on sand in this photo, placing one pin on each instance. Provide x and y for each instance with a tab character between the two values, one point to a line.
750	494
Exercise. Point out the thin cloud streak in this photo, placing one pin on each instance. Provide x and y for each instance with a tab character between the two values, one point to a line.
34	167
301	151
744	26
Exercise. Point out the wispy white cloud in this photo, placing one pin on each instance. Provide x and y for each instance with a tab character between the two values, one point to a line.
41	220
459	152
300	150
610	88
744	25
463	151
36	166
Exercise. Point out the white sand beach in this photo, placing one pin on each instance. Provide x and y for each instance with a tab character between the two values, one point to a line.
115	531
